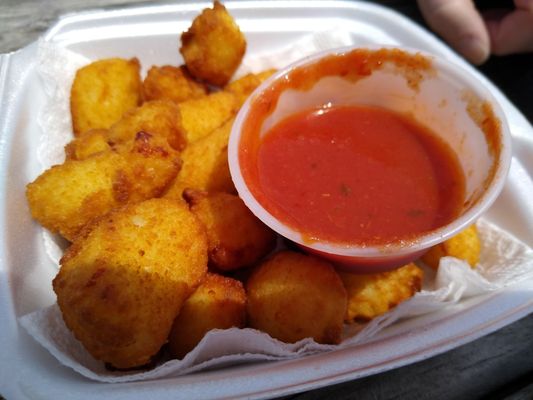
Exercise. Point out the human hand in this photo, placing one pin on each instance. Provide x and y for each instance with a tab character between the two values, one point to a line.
476	36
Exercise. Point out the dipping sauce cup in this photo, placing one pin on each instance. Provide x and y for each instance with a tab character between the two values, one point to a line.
444	98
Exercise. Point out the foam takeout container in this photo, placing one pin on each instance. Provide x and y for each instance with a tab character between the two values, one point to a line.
28	371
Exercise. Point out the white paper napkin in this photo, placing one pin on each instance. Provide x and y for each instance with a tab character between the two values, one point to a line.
455	281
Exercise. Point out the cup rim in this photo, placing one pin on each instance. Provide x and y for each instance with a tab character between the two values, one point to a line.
398	248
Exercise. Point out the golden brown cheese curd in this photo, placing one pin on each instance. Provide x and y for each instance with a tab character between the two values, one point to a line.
123	281
214	46
245	85
102	91
159	118
236	237
201	116
153	166
371	295
66	197
205	165
171	83
293	296
87	144
464	246
218	303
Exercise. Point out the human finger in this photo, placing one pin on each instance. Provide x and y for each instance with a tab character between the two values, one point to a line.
526	5
460	24
512	32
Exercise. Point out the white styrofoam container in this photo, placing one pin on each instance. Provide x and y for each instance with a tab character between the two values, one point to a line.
151	34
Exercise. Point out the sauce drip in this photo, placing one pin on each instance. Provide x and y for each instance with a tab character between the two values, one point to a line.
357	174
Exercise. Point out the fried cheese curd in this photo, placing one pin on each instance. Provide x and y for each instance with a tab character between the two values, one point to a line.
244	86
158	117
201	116
87	144
466	246
102	91
236	237
218	303
293	296
123	281
370	295
68	196
171	83
213	47
205	165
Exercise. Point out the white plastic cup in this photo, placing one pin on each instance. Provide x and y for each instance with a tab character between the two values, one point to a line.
446	98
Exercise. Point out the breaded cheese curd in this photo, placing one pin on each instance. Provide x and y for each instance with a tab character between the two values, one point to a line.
123	281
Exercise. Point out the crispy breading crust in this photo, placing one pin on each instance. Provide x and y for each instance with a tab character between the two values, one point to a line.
158	118
201	116
371	295
123	281
218	303
214	46
464	246
236	237
68	196
293	296
171	83
245	85
205	165
102	91
87	144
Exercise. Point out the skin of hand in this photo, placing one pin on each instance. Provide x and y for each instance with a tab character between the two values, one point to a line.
476	36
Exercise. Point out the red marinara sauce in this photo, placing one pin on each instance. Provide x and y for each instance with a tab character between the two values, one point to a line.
357	175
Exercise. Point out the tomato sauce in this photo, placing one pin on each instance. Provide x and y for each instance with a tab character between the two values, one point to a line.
356	175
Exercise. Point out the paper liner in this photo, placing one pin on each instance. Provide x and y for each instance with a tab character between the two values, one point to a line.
504	259
454	281
57	67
